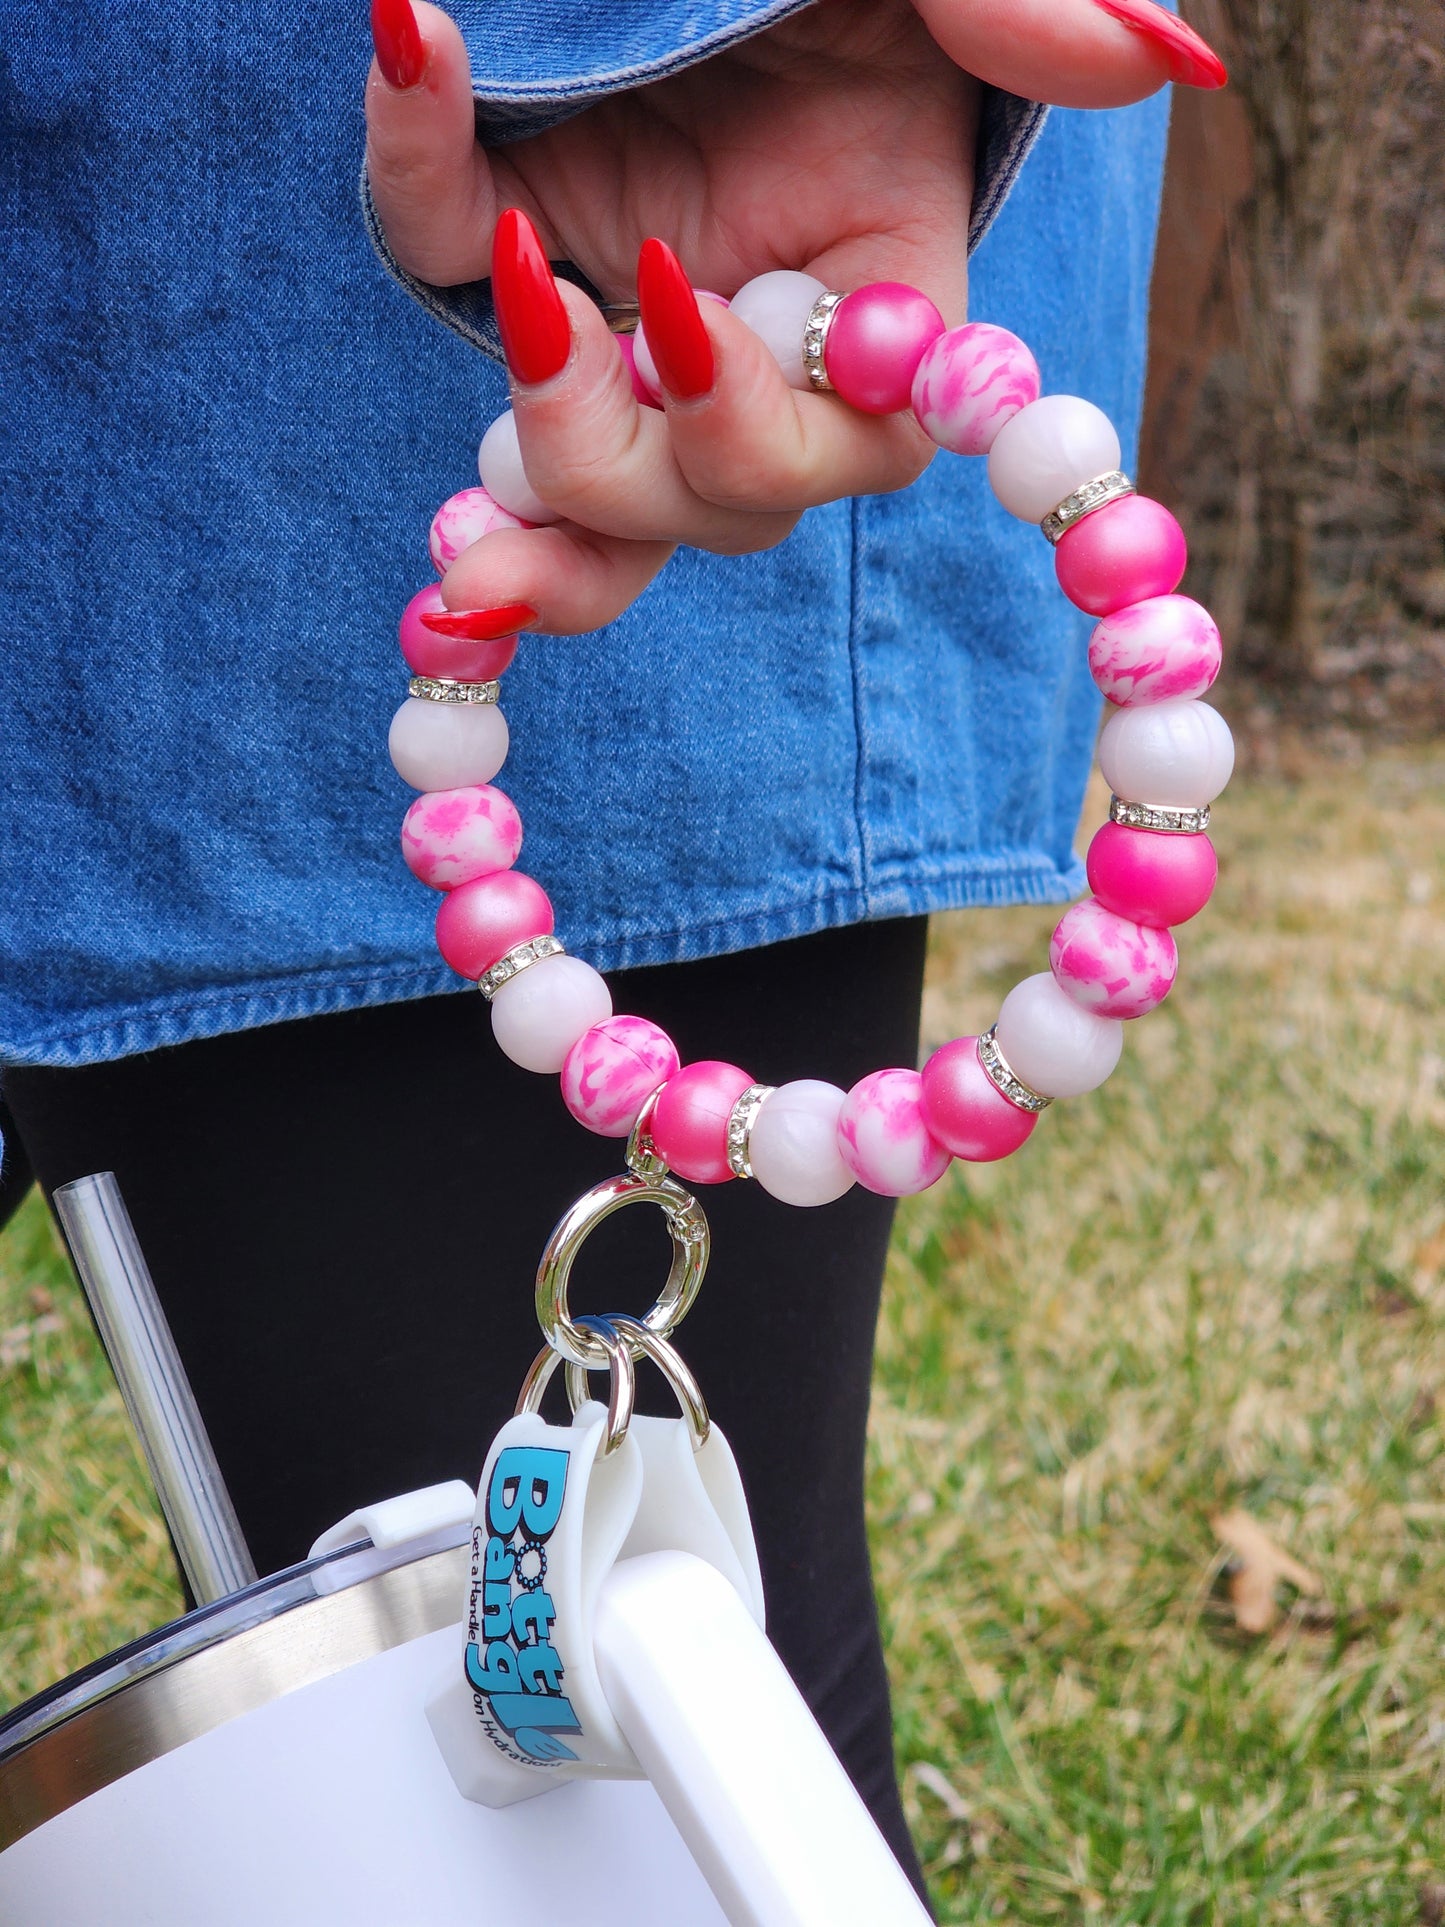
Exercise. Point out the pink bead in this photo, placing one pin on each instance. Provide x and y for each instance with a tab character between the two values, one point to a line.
969	383
1132	549
690	1123
883	1138
465	518
611	1070
1154	651
650	397
480	921
878	336
1158	877
1110	965
449	837
428	654
965	1110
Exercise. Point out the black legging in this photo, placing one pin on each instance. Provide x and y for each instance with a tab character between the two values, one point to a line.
343	1217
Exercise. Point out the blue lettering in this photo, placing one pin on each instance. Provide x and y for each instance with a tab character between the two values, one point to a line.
527	1487
532	1616
547	1712
500	1564
496	1671
542	1662
496	1611
541	1746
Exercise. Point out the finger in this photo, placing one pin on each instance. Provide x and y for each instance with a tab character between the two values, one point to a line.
430	181
575	579
1073	53
589	450
753	443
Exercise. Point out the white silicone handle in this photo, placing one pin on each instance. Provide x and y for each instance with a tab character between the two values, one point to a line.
738	1760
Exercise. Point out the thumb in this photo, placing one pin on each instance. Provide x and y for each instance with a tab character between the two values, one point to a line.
1072	53
430	180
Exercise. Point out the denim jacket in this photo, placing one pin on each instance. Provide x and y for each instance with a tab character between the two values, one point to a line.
225	432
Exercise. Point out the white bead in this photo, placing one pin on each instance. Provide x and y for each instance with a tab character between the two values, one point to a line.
793	1145
499	463
1179	753
447	746
1045	452
538	1015
776	307
1055	1046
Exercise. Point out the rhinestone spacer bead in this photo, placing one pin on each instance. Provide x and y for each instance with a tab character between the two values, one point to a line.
518	958
1001	1075
815	339
1084	500
441	689
740	1125
1158	816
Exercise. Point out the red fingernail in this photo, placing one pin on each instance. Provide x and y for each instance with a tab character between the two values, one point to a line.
536	335
675	334
480	625
400	49
1191	58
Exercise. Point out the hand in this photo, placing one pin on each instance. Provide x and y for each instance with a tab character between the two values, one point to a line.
840	142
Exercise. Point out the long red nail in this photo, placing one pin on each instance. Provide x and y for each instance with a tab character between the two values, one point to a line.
1191	58
400	49
675	334
536	334
480	625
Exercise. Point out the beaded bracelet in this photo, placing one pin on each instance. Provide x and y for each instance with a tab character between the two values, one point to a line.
1053	460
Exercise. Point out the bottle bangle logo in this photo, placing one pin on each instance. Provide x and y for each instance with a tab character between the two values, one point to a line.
512	1665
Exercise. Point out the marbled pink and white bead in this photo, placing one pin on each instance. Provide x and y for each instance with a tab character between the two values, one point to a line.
448	837
1158	877
1109	965
613	1069
966	1111
690	1120
480	921
969	383
453	657
883	1138
1124	552
465	518
876	339
1152	651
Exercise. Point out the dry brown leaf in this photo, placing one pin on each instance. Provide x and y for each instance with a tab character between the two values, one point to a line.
1259	1566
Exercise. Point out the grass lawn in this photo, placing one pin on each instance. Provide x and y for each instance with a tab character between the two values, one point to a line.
1217	1286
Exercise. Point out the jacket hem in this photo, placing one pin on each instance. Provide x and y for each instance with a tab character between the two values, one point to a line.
157	1023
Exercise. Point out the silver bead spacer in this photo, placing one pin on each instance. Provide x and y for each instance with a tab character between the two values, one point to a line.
815	339
1158	816
441	689
740	1127
518	958
1001	1076
1084	500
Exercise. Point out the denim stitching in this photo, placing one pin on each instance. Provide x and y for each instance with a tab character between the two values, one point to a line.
160	1022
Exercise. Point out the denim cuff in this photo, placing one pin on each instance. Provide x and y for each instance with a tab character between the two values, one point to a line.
536	67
